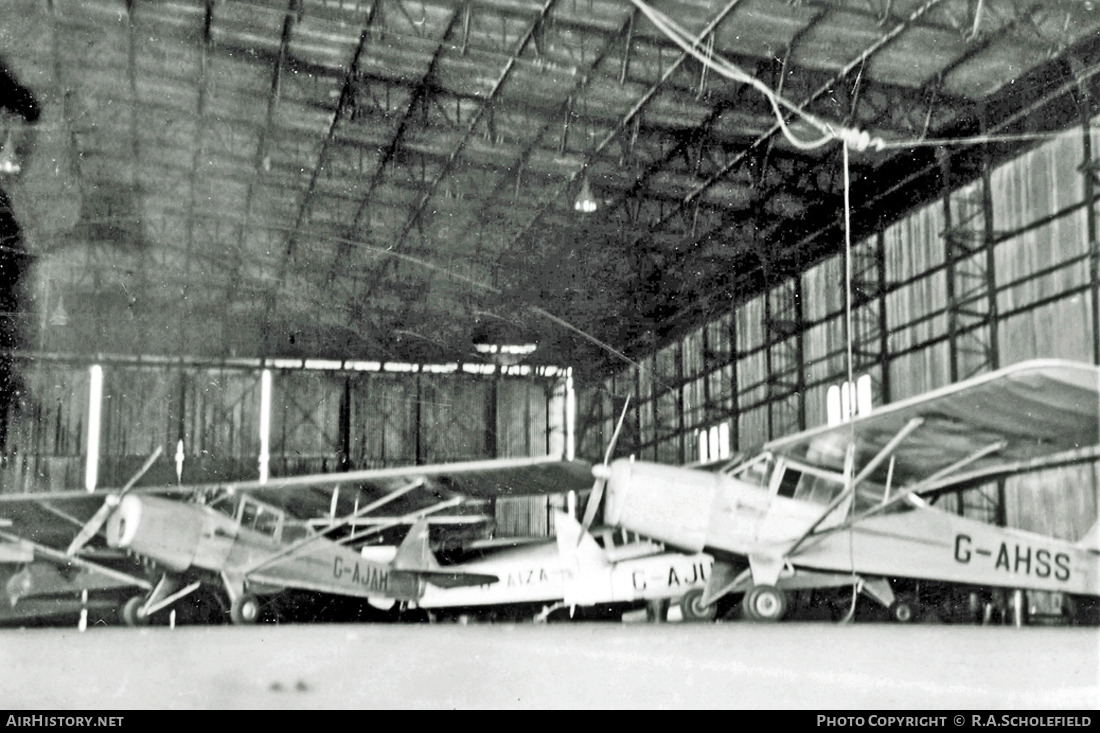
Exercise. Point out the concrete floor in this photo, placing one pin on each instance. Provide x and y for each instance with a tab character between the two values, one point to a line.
585	665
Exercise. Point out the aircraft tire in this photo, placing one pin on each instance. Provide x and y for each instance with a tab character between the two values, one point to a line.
764	603
904	610
245	609
692	608
131	612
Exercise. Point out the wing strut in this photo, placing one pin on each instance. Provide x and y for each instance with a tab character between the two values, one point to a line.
294	547
921	485
881	456
63	559
407	519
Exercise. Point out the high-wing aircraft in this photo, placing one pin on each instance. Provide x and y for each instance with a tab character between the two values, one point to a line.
226	535
850	504
573	570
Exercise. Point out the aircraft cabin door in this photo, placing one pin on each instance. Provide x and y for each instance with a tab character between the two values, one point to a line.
799	496
219	533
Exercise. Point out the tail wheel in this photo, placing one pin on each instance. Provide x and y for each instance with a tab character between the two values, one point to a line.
764	603
692	608
245	609
132	614
904	610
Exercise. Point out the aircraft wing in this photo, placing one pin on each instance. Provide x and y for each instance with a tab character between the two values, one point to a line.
1042	412
476	481
50	519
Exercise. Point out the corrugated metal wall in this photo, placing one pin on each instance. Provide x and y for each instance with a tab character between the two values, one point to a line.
938	296
321	421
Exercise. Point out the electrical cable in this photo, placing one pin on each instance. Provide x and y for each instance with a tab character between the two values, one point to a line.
849	463
856	138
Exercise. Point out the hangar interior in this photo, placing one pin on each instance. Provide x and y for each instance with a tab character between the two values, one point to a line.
434	221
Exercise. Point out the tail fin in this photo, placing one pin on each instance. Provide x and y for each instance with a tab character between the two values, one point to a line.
576	546
414	552
1091	540
415	556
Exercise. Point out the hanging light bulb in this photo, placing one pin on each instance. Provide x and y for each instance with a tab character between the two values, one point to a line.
8	161
585	201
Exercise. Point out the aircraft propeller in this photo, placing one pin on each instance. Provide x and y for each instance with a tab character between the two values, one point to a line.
601	473
93	525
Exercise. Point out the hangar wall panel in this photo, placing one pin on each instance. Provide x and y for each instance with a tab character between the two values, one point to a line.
1059	330
1052	502
382	420
221	431
47	431
454	419
305	423
320	421
919	371
141	410
524	425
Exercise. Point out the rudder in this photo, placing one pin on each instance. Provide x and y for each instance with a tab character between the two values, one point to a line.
414	552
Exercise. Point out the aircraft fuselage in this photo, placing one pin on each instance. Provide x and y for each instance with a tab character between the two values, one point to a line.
693	510
182	536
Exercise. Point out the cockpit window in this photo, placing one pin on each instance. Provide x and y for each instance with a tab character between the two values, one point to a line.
789	482
818	489
757	472
265	519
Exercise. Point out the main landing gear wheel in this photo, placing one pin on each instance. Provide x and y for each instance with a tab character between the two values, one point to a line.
692	608
131	612
245	609
764	603
904	610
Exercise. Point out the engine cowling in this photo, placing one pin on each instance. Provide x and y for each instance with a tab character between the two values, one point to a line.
667	503
162	530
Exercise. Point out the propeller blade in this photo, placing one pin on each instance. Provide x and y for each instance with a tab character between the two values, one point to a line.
92	526
615	435
593	505
141	472
601	481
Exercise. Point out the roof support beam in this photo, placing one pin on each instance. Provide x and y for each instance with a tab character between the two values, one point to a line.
419	94
623	123
258	160
197	140
421	205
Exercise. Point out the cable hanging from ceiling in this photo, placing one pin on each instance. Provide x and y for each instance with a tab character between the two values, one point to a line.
852	137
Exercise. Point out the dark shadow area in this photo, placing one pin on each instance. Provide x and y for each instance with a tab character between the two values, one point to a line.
16	101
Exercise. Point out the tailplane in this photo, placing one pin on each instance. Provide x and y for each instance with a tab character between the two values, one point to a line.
415	556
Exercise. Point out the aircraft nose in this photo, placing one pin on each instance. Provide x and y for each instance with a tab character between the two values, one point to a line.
601	471
123	524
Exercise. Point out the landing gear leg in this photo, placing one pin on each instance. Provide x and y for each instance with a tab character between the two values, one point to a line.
764	603
132	614
692	608
245	609
138	609
905	609
544	614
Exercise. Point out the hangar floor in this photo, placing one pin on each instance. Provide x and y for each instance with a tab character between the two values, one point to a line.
602	665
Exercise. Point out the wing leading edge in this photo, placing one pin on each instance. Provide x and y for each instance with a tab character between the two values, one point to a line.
1024	417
